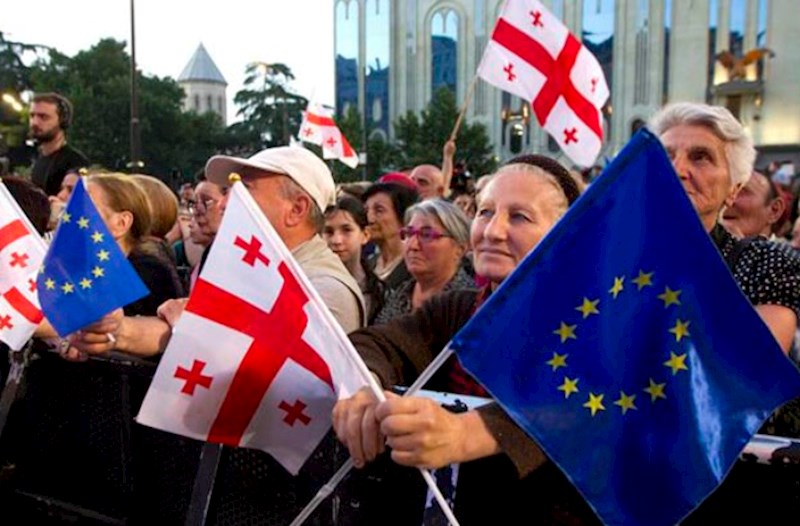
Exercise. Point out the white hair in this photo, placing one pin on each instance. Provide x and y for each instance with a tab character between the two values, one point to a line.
739	151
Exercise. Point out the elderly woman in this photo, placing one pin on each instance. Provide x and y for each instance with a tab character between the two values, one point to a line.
386	205
435	239
500	464
713	157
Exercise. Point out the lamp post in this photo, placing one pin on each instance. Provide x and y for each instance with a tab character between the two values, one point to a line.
136	162
268	69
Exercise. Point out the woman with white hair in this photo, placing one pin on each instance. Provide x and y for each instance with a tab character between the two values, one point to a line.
714	157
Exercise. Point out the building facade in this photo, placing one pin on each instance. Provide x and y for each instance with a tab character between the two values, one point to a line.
204	85
391	55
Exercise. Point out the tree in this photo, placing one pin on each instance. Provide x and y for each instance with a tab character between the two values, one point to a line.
97	81
271	112
420	139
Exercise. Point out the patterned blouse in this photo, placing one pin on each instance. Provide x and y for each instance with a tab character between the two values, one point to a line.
767	272
398	300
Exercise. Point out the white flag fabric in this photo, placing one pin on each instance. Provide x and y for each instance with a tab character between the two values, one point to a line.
534	56
256	360
22	251
318	127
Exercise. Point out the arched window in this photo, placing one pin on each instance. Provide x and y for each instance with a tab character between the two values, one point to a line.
444	50
197	103
346	49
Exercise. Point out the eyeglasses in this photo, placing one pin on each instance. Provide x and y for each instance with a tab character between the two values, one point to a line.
424	234
201	206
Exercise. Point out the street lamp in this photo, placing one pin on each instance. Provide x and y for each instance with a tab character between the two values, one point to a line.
266	69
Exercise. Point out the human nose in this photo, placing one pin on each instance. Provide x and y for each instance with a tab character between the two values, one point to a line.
496	228
681	165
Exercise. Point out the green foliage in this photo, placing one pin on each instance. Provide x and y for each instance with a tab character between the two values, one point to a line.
420	139
97	81
271	112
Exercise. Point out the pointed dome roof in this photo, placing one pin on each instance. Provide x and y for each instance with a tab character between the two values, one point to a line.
201	68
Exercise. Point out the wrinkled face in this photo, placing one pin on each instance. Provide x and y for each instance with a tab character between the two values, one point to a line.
267	191
752	212
43	121
429	181
515	211
344	236
206	209
427	254
699	159
383	225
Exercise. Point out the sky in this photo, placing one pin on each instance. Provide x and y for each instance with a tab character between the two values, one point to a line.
298	33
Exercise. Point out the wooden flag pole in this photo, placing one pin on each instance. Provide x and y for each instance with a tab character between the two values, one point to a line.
463	111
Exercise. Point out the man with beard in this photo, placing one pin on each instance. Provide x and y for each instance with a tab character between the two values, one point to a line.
51	115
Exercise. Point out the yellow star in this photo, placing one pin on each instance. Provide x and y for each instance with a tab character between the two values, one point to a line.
68	288
83	222
617	288
655	390
97	237
566	332
558	360
103	255
681	329
588	307
569	386
86	283
65	217
676	363
595	403
625	402
670	297
50	284
644	279
98	272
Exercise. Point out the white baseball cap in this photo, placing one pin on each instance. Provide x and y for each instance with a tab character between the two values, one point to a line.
305	168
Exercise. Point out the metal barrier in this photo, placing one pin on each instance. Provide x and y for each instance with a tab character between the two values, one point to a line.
72	453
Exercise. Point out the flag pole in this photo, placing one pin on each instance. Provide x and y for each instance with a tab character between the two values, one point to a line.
464	107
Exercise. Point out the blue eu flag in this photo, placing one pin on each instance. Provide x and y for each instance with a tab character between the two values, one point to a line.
628	352
85	275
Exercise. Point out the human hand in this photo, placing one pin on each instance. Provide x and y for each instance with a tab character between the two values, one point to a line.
449	148
70	353
420	432
170	311
100	337
356	426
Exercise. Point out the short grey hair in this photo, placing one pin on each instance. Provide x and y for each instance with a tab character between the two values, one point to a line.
451	217
291	190
739	151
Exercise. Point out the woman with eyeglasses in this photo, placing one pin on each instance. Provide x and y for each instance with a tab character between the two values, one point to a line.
435	239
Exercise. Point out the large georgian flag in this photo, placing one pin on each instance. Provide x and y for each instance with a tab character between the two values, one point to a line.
22	251
256	360
532	55
318	127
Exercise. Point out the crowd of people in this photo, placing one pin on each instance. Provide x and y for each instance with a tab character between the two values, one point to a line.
402	263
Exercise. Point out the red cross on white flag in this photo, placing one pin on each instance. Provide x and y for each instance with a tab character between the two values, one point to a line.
22	251
319	128
532	55
256	360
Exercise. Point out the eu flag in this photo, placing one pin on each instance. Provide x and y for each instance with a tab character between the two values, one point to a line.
85	274
624	347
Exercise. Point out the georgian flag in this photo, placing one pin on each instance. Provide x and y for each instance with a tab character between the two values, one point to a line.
256	360
318	127
532	55
22	251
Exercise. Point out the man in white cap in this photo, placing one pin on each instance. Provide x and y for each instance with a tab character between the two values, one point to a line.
292	187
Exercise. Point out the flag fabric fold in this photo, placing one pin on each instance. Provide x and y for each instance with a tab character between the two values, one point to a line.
534	56
22	251
629	353
85	274
256	359
318	127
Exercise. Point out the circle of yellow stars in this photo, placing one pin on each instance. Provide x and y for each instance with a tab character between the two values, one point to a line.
588	307
97	271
